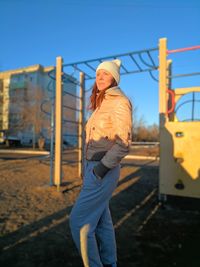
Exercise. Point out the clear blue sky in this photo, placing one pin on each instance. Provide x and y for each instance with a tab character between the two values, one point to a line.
38	31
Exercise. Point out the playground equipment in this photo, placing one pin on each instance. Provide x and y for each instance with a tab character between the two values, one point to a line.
133	62
60	78
179	170
179	140
63	101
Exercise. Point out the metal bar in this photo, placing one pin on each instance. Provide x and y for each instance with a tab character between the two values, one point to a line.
184	75
154	78
75	66
81	126
170	93
113	56
58	130
183	103
162	80
122	66
70	161
144	62
183	49
76	122
52	138
69	79
75	96
131	72
71	135
49	84
66	80
193	103
169	70
43	105
134	60
90	66
151	58
50	74
75	109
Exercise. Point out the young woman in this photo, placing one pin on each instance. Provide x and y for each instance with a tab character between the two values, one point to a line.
108	137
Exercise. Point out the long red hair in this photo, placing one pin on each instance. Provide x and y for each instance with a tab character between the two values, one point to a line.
97	96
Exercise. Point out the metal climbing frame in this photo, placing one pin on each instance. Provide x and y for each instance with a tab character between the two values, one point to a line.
132	63
58	119
179	172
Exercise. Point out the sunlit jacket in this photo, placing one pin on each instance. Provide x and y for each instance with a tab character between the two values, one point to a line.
108	131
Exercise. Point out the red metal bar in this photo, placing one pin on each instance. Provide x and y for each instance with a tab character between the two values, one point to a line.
172	94
183	49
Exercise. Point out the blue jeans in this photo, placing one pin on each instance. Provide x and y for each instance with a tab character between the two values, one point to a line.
90	220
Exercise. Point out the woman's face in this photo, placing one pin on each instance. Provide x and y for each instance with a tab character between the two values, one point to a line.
103	79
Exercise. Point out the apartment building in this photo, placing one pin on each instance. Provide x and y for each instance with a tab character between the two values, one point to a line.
26	101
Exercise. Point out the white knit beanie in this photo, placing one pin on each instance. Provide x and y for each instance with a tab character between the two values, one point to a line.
113	67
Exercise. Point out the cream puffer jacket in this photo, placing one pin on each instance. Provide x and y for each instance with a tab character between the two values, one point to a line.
108	131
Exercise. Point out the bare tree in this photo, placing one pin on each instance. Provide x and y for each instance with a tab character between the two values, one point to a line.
142	131
26	115
153	133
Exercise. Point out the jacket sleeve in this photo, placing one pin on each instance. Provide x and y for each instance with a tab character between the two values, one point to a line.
122	116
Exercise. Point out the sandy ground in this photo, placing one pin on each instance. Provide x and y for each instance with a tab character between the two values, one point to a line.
34	230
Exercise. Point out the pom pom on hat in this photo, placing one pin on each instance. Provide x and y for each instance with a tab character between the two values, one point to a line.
113	67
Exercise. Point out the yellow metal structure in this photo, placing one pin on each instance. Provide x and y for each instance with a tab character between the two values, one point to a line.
58	128
179	171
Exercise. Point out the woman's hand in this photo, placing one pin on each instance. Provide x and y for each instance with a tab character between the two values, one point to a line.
100	170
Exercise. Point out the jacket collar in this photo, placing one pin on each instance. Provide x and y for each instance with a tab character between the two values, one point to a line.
114	91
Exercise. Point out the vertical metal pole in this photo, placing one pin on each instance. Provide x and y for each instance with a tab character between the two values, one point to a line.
162	80
169	73
33	127
52	135
58	124
162	108
193	103
170	116
81	136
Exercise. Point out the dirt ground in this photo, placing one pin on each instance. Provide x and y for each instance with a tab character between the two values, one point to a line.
34	230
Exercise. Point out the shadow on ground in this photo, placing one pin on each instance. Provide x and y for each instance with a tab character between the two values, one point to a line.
149	234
